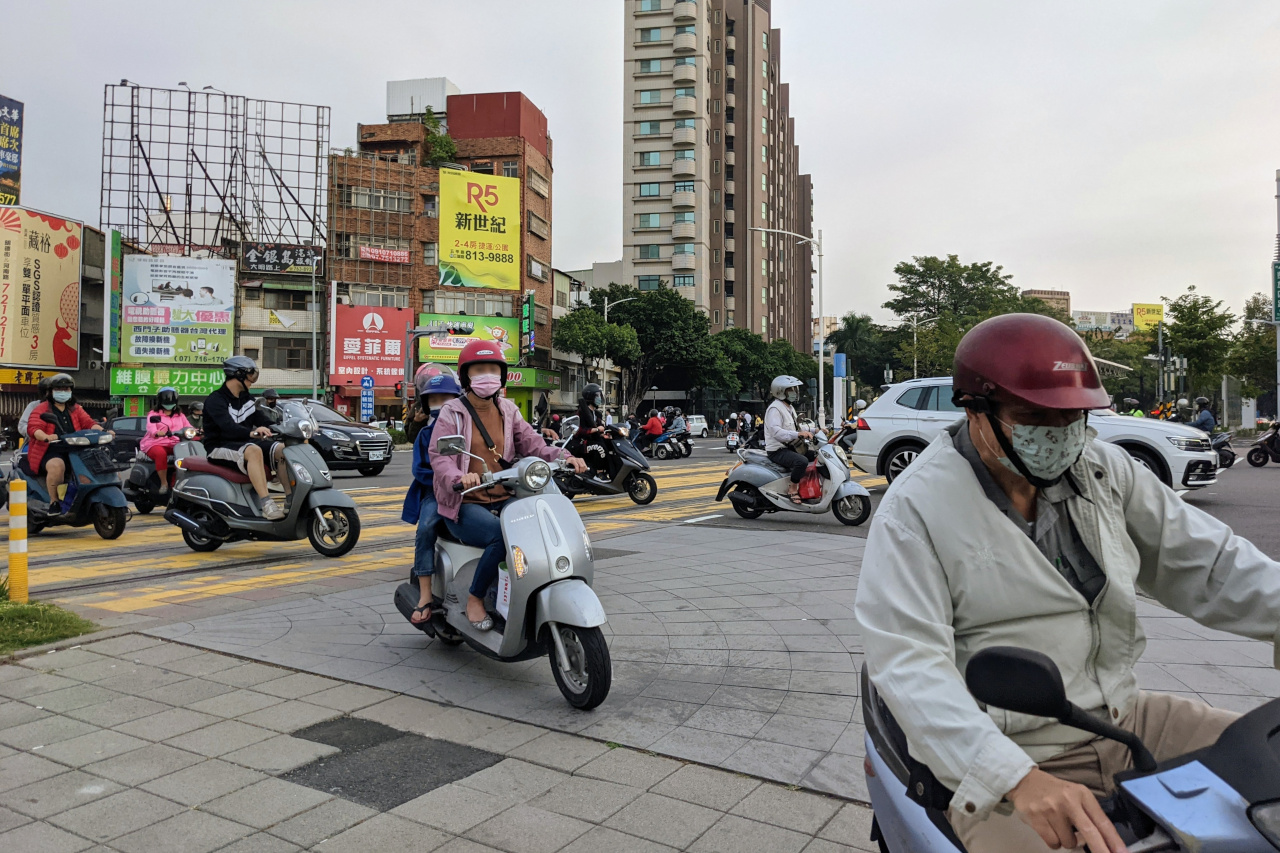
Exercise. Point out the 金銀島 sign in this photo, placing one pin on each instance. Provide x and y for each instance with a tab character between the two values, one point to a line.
479	230
279	259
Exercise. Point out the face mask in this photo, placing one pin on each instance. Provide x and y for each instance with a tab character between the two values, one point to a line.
792	395
169	407
1047	451
61	396
485	386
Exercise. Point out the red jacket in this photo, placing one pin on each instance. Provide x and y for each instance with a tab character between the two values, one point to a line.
654	426
79	418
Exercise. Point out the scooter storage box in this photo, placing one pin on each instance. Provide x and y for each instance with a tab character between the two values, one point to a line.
406	601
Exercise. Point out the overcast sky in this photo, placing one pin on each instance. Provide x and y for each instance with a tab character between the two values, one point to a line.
1120	151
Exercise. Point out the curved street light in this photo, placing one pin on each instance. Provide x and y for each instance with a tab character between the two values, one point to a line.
916	323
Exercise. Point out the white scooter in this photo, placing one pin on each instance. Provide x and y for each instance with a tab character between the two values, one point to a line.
545	603
755	486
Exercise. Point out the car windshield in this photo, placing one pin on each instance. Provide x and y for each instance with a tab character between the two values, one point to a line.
316	412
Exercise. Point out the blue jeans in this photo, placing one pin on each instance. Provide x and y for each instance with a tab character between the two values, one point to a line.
424	543
478	527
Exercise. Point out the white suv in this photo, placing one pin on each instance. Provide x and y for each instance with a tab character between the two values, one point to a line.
896	427
697	425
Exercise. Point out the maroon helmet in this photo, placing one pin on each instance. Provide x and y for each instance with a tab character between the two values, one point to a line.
1030	357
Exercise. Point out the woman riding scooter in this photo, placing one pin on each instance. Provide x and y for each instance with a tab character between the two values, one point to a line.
781	432
48	456
162	434
586	441
497	434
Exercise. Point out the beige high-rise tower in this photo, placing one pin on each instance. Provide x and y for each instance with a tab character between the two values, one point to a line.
709	153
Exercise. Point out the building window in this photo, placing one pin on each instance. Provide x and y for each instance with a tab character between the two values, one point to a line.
764	40
764	97
764	183
715	106
689	29
715	136
715	286
683	154
431	254
285	300
717	45
651	34
686	122
648	220
684	186
649	253
649	190
650	128
483	167
253	353
477	305
365	198
682	249
650	5
764	126
715	256
686	92
715	167
510	168
648	282
431	206
715	196
375	295
715	226
650	158
348	245
682	280
538	183
538	226
286	353
715	317
684	216
728	319
650	66
562	299
686	60
537	269
650	96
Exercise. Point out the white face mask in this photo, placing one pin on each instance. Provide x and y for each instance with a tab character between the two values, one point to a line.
1047	451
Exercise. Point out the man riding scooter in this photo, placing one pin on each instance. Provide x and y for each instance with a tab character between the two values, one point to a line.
1016	528
238	435
781	433
497	434
1204	419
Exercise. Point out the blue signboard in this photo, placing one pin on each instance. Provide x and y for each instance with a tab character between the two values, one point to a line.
10	150
366	399
838	365
366	382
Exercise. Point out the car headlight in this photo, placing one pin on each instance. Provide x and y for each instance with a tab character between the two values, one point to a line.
1183	442
1266	819
335	435
303	474
536	476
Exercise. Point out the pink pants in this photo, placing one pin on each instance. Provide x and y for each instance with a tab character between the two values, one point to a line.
160	455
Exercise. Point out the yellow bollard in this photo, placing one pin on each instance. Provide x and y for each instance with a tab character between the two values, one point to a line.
18	541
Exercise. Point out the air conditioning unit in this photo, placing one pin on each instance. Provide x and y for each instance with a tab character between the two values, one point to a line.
95	365
344	300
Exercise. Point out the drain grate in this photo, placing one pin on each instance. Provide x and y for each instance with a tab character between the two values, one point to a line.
381	767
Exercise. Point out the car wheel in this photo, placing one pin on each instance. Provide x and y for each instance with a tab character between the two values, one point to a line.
372	470
705	433
899	460
1148	460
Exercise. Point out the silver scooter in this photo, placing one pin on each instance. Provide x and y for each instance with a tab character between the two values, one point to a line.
214	504
545	602
755	486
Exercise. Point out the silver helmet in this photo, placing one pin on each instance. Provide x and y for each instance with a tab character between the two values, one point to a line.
785	388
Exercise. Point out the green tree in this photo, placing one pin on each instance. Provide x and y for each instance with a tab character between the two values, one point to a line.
584	332
867	346
1253	349
1198	328
439	145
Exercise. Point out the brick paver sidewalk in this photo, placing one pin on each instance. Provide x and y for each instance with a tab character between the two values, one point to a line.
133	744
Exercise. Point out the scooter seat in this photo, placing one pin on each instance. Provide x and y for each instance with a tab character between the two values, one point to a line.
201	465
443	532
757	457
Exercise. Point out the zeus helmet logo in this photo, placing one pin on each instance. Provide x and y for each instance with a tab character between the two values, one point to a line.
1077	366
482	194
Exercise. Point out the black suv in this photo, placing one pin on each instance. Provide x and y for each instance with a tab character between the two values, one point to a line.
344	444
129	433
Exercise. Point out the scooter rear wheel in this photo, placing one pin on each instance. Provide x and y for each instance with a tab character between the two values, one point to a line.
746	511
143	505
661	451
1257	457
109	521
195	541
337	534
642	488
587	684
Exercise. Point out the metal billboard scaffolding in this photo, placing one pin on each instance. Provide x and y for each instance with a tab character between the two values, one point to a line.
186	172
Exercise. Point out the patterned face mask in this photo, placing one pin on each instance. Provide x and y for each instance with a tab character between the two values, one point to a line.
1047	451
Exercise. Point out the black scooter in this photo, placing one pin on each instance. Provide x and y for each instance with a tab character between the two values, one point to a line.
1266	447
623	465
142	486
1221	442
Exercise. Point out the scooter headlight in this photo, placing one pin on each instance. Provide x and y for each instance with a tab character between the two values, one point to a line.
106	438
77	441
586	545
518	561
306	429
536	476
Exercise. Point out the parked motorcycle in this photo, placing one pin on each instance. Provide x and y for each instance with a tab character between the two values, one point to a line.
215	504
92	481
624	466
545	602
1225	797
1266	447
755	486
1221	442
142	486
731	442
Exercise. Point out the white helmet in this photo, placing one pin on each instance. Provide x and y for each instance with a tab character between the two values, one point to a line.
785	388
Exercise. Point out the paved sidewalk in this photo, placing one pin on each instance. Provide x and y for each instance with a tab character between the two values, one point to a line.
134	744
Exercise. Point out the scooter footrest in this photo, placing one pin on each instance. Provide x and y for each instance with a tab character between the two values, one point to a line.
406	599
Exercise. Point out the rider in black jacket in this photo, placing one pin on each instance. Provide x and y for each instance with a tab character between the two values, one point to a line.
238	434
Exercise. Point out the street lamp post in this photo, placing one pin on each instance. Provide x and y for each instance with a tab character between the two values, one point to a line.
315	323
1277	325
816	243
607	303
916	323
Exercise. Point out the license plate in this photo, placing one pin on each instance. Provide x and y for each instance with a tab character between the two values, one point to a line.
377	455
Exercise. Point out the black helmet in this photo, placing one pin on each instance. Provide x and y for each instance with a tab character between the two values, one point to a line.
167	396
1202	402
61	380
593	395
271	394
43	385
239	367
197	407
679	412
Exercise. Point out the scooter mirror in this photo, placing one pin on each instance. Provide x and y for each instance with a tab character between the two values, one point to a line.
155	419
1019	680
860	405
451	445
48	418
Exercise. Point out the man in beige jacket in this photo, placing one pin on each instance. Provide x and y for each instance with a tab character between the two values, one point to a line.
1016	528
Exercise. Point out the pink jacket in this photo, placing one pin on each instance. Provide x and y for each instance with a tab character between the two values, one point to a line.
520	440
175	421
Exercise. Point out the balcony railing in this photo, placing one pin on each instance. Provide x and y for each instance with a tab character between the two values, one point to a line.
730	43
729	158
680	168
730	129
684	105
683	261
728	215
685	10
729	244
729	274
685	42
730	187
684	199
684	230
730	302
684	136
730	100
685	74
730	71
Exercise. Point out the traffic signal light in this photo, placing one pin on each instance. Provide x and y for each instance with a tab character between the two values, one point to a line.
399	389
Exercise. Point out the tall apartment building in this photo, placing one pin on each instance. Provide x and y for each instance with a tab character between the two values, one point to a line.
709	153
382	198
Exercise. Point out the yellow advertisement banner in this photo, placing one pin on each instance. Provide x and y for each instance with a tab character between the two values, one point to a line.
479	230
39	290
1147	316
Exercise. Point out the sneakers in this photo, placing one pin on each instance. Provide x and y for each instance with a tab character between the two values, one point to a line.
164	490
271	510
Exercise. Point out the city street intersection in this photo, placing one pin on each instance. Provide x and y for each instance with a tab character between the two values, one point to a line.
734	649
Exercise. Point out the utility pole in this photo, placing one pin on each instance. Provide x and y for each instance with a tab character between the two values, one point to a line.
822	330
315	325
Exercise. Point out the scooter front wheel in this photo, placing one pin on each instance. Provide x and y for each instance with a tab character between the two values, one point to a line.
1257	457
586	684
852	510
334	530
661	451
109	521
642	488
143	505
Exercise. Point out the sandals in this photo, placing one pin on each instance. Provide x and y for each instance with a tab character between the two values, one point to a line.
423	620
